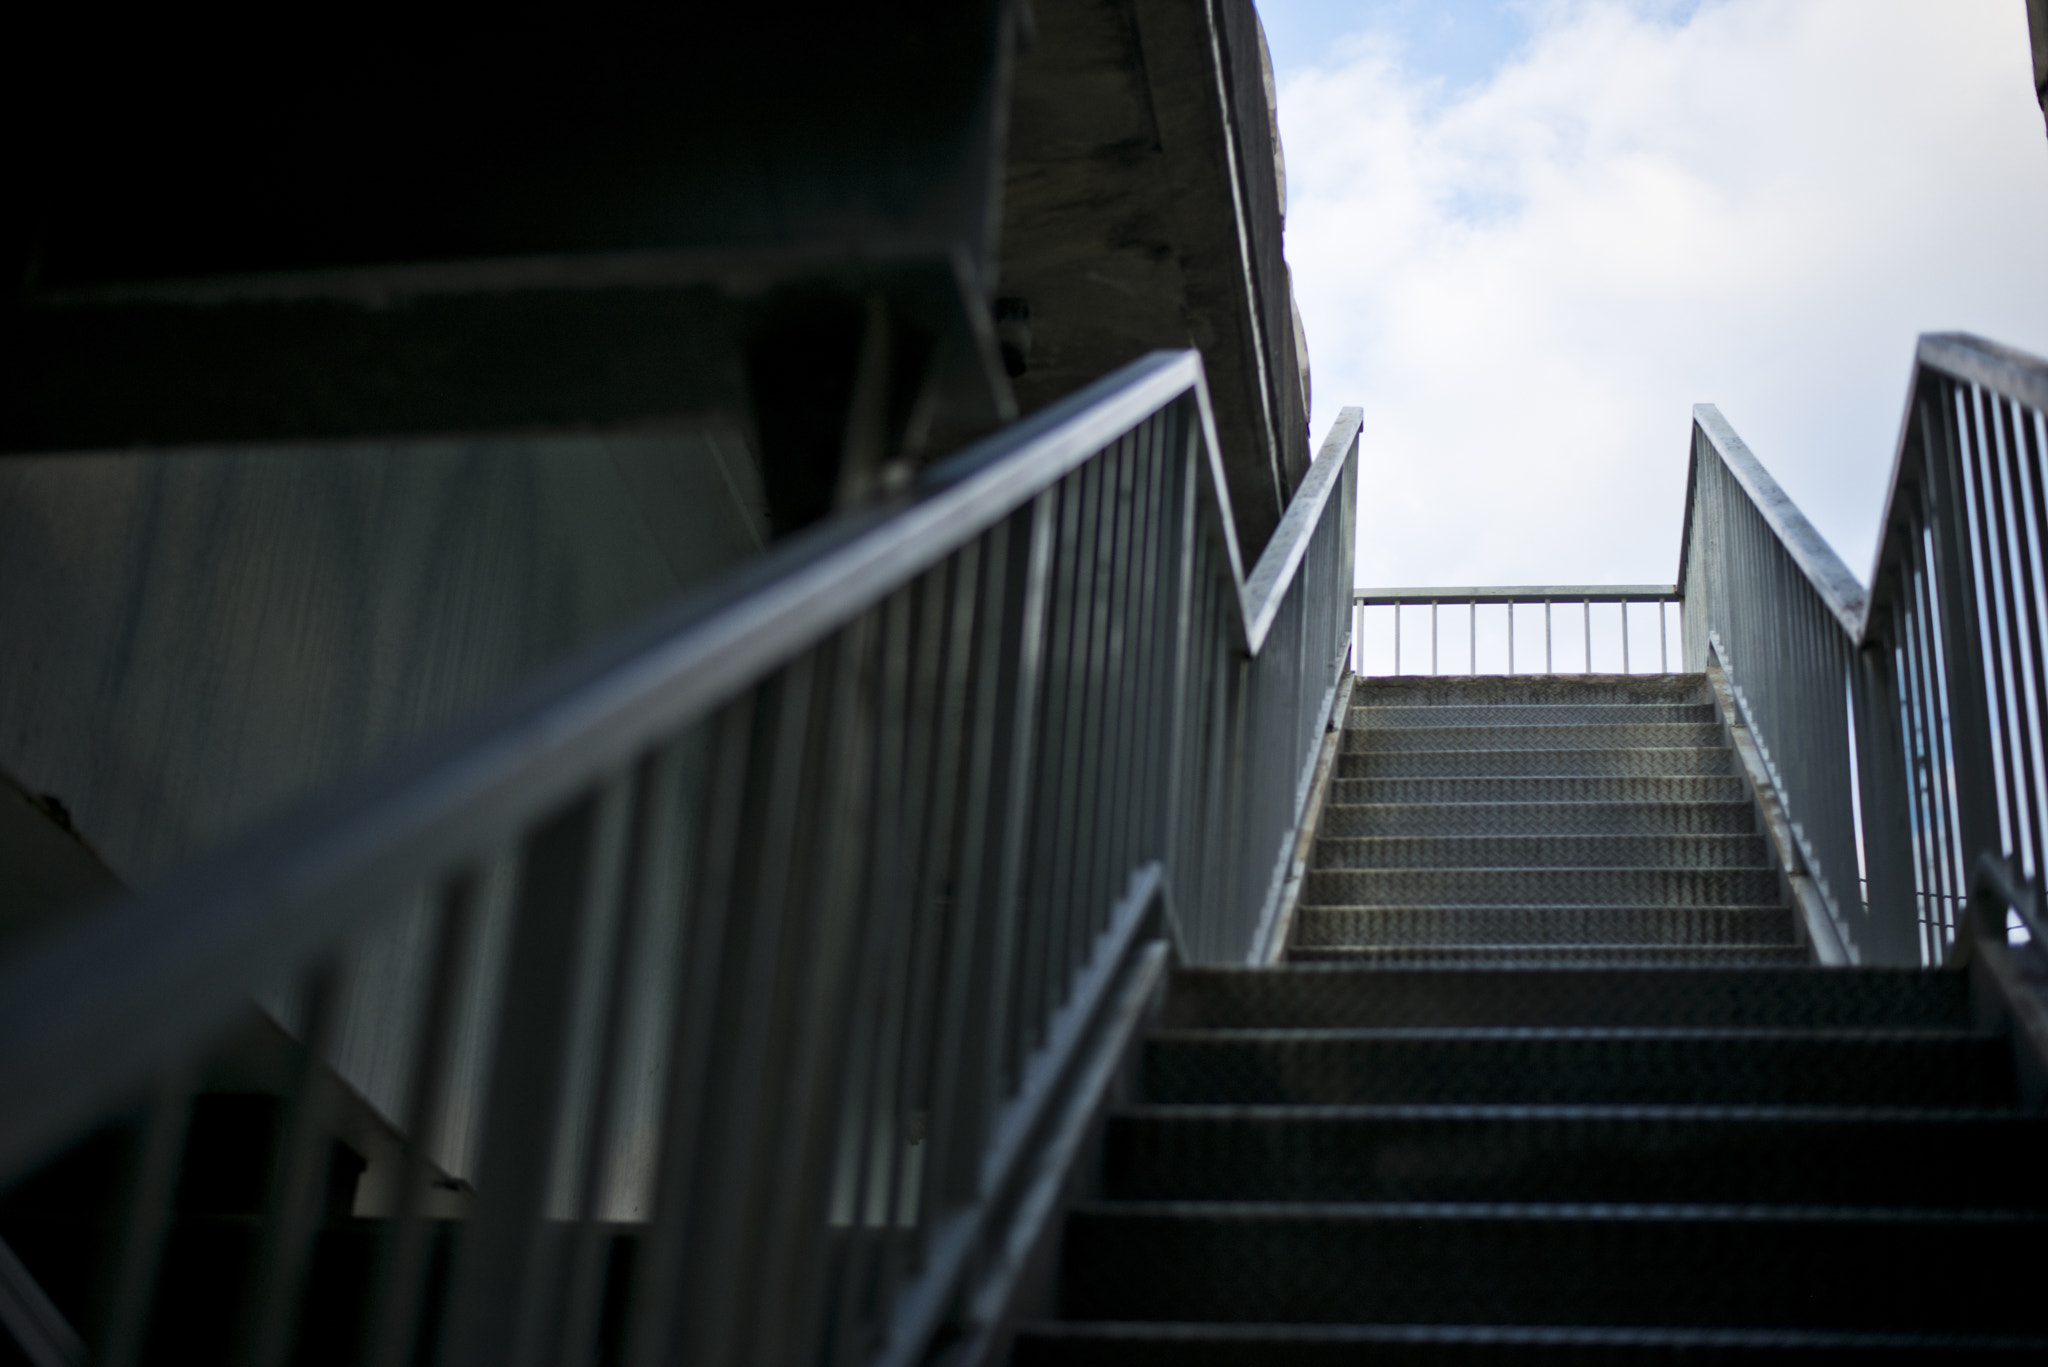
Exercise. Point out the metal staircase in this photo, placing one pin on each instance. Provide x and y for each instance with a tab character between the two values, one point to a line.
855	963
1549	1084
1590	819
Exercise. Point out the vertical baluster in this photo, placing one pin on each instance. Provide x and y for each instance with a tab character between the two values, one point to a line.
2013	557
398	1283
2025	465
298	1188
590	1238
145	1220
1548	668
506	1266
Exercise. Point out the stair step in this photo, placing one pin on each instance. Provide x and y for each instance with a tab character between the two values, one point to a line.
1541	851
1495	736
1577	1067
1099	1343
1672	761
1727	887
1824	1268
1334	997
1383	927
1555	956
1537	818
1585	788
1374	716
1513	690
1728	1155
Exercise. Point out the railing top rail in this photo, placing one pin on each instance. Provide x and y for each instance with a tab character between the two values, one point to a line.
1276	568
85	1013
1843	593
1965	356
1524	593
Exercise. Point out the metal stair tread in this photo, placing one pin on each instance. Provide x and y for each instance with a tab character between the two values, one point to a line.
1553	1212
1448	955
1707	1113
1379	715
1365	820
1433	789
1570	1033
1449	852
1185	1334
1589	735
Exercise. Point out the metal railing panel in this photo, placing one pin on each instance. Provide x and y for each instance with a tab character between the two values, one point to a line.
1903	727
743	959
1663	598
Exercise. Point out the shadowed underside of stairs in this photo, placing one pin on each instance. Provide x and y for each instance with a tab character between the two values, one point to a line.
1550	1079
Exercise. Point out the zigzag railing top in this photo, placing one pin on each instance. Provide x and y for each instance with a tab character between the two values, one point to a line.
87	1013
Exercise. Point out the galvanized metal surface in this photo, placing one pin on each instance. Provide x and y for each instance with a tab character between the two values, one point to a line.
1900	729
787	924
1548	597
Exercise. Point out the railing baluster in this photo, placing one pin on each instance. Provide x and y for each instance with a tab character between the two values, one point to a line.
292	1214
146	1219
398	1286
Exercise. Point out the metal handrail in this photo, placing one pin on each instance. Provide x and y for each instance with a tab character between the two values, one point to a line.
1583	596
855	849
1900	725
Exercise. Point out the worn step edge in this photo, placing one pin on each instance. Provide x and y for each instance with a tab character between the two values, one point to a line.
1509	956
1669	927
1183	1336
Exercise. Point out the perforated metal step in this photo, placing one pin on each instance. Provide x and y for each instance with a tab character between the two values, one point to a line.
1751	887
1549	1078
1668	761
1545	1067
1341	820
1826	1268
1922	1157
1560	850
1535	927
1325	996
1539	788
1374	715
1165	1343
1528	736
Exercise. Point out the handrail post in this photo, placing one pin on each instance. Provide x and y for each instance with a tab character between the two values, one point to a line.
1883	778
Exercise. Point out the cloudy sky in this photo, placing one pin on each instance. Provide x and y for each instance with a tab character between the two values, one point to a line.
1527	236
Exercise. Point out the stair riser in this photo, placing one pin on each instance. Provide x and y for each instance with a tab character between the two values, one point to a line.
1541	887
1532	690
1335	998
1366	717
1537	818
1673	762
1120	1345
1659	735
1920	1275
1784	1070
1662	926
1541	851
1534	1156
1554	956
1539	788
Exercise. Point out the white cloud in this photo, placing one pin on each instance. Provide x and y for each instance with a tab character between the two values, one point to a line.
1528	284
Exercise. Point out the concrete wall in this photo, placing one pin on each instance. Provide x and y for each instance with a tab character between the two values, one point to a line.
197	638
